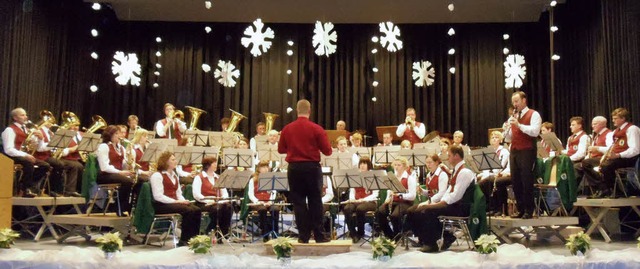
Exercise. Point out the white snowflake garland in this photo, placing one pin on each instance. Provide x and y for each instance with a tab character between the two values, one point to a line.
390	35
225	73
257	38
514	71
126	68
423	73
324	39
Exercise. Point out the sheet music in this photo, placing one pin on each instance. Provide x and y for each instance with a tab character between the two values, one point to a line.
338	160
268	152
385	154
199	153
276	181
62	138
374	180
394	184
347	178
197	137
89	142
238	157
551	140
361	151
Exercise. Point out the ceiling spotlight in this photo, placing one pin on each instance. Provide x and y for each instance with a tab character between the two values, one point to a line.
96	6
374	99
156	85
94	32
375	83
505	51
505	37
451	32
207	4
375	70
158	54
452	51
289	109
554	28
158	66
452	70
289	52
553	3
94	55
157	73
288	71
93	88
374	51
207	29
374	39
158	39
555	57
289	91
290	43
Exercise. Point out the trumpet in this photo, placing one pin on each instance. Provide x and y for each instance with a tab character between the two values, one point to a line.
607	155
408	120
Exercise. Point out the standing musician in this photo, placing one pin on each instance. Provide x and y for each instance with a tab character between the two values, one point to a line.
13	138
261	130
494	182
360	202
623	152
524	127
139	145
453	203
602	139
261	201
73	167
43	153
302	141
410	129
111	159
170	127
396	204
576	143
220	211
168	199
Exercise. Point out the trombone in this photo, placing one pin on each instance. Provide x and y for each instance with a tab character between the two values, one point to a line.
46	117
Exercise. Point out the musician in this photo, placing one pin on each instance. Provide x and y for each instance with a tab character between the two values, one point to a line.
341	141
623	152
545	128
405	144
168	199
186	172
261	130
396	204
132	123
444	145
219	211
601	140
525	128
224	123
170	127
139	143
387	140
356	140
272	140
13	138
72	163
341	125
302	141
261	201
458	136
112	159
577	143
436	182
43	153
123	135
494	182
411	129
360	202
427	226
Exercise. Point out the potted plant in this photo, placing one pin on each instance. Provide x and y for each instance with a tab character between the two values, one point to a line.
200	244
486	244
579	243
383	248
109	244
7	236
282	247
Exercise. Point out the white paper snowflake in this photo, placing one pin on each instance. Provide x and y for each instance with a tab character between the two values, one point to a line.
423	73
226	73
390	35
514	71
127	68
257	38
323	38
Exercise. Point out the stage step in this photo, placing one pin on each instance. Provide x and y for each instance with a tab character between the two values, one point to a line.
314	249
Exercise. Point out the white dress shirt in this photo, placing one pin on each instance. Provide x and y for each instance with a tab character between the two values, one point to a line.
464	179
103	158
328	193
443	182
581	152
412	184
182	126
608	141
633	141
420	131
8	142
252	195
197	186
157	188
77	138
369	198
533	129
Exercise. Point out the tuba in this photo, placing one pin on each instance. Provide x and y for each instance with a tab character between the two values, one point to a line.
269	119
195	116
235	119
67	119
46	117
98	124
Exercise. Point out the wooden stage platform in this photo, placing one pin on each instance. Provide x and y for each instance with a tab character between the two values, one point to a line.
314	249
46	207
77	224
503	227
597	209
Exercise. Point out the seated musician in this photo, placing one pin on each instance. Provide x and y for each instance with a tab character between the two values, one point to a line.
168	199
494	182
139	145
111	159
411	129
224	123
436	185
261	131
602	140
327	199
578	141
425	223
545	128
261	201
243	143
272	140
356	140
387	140
360	202
396	204
43	153
170	127
341	141
13	140
123	135
220	211
405	144
445	143
72	165
458	136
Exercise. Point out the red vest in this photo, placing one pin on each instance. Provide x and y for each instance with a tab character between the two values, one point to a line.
620	136
454	178
600	141
520	140
73	156
144	166
187	168
43	155
433	184
207	188
261	195
176	131
361	192
20	136
116	159
410	135
573	144
170	189
405	182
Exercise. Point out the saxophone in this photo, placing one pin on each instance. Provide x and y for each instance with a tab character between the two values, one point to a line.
131	162
607	155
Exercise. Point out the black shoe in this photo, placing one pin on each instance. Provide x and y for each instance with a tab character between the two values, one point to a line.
355	239
429	249
181	243
28	194
265	239
73	194
416	244
322	240
303	241
54	194
517	216
527	216
606	194
448	241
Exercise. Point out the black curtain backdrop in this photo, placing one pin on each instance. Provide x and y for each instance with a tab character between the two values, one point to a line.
45	64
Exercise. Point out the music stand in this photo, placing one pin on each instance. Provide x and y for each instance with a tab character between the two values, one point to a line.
385	154
361	151
89	142
233	179
222	139
374	180
182	154
484	159
416	157
347	178
238	158
167	141
394	184
551	140
273	181
339	160
61	139
284	165
199	153
199	138
268	152
153	151
261	140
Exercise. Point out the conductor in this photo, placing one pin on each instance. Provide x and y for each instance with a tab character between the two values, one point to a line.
302	141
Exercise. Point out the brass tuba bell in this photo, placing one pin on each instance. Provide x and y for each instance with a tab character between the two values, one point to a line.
46	117
269	119
98	124
235	119
195	116
68	119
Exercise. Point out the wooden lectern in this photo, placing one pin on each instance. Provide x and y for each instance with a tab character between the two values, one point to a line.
332	135
380	130
6	181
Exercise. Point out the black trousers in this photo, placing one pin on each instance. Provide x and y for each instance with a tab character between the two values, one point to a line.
219	214
126	185
496	200
74	171
56	178
522	166
190	213
425	224
398	210
31	176
606	179
305	185
356	224
265	224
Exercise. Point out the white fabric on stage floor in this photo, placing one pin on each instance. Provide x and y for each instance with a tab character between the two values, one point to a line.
508	256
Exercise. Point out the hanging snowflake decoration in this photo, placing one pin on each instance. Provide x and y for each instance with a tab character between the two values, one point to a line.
127	68
324	39
226	73
391	33
257	38
514	71
423	73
